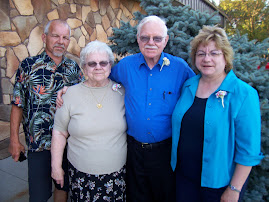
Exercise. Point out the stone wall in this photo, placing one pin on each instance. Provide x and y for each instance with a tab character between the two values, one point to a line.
22	23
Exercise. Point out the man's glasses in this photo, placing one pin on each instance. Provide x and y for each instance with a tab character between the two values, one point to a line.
156	39
202	54
94	64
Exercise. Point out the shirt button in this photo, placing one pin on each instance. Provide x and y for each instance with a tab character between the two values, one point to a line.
150	74
150	89
148	119
149	133
149	103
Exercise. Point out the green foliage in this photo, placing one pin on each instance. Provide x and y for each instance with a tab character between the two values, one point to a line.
250	17
248	56
183	24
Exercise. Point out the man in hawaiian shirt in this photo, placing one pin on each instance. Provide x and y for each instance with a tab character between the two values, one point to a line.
34	103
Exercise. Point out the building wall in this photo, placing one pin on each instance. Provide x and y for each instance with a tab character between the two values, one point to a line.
22	23
203	6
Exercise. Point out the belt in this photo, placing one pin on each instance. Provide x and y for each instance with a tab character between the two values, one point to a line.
149	145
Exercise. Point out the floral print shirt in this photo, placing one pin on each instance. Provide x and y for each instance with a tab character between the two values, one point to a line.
37	82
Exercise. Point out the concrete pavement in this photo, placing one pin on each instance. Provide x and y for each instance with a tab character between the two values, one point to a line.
13	175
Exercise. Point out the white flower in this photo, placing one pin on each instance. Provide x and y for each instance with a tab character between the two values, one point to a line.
116	87
220	94
166	62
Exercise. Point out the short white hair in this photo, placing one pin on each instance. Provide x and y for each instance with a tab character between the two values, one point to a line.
152	18
96	47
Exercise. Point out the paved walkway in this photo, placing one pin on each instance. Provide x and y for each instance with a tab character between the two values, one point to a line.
13	175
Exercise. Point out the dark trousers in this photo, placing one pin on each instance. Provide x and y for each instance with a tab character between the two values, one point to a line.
39	175
149	174
187	190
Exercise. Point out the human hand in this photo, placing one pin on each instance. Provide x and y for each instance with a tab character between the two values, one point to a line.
59	100
229	196
15	149
58	175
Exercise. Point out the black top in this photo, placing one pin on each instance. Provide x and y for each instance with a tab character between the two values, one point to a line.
190	148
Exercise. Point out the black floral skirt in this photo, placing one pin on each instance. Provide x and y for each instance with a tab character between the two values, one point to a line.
87	187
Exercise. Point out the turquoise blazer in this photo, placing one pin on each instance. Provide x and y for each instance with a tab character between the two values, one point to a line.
232	134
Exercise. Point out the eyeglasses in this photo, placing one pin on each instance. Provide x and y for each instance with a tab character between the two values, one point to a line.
202	54
101	64
156	39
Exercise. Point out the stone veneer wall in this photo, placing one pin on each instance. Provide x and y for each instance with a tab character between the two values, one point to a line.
21	27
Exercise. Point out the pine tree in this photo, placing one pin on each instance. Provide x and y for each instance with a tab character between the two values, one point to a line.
248	56
183	24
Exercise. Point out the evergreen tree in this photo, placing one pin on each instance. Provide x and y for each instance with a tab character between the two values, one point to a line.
184	24
248	56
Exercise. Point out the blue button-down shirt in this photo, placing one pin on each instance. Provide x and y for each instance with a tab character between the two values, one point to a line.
151	94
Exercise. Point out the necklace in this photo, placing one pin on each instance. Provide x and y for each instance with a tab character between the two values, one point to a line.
99	104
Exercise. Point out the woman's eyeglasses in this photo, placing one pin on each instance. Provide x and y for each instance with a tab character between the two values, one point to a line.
101	64
202	54
156	39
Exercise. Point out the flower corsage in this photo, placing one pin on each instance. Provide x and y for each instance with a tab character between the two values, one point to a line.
116	87
166	62
220	94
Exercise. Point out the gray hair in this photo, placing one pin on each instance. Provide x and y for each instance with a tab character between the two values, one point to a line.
47	27
96	47
152	18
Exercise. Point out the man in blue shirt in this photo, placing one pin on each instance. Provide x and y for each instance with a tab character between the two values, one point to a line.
152	81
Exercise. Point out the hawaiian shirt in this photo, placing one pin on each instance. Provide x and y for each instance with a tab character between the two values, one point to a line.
37	82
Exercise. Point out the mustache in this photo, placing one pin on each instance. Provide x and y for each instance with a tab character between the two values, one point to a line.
59	45
151	47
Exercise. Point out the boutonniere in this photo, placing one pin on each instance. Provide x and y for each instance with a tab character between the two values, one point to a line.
166	62
220	94
116	87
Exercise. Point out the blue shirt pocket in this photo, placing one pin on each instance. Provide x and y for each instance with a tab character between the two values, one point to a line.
169	100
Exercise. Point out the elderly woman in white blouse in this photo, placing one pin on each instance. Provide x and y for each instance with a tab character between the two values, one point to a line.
92	118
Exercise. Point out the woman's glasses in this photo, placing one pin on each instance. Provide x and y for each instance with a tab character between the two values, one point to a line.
213	54
94	64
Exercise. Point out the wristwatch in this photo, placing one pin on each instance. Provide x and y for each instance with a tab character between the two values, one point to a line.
234	188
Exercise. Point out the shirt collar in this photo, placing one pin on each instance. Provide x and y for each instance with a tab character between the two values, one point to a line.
228	84
142	60
47	58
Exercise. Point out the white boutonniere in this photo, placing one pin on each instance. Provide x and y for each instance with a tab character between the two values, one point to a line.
116	87
166	62
220	94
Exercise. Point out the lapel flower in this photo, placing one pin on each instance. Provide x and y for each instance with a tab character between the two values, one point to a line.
220	94
116	87
166	62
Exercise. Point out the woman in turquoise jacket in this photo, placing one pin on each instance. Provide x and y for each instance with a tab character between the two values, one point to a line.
216	125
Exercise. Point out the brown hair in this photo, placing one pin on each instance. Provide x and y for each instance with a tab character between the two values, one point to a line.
218	35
